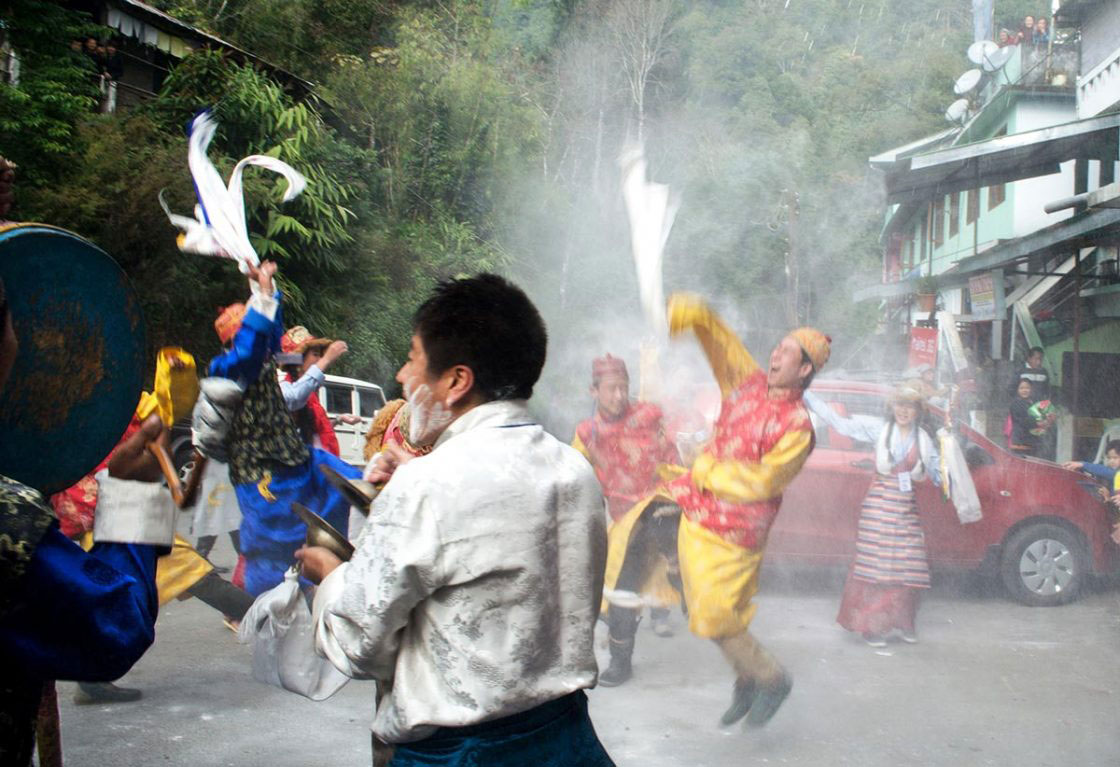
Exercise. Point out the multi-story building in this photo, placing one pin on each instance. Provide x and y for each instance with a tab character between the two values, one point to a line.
1012	216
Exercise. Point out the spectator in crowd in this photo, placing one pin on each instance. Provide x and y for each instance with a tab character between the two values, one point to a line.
1005	38
1108	474
1034	372
1029	427
1041	32
1026	31
96	54
114	62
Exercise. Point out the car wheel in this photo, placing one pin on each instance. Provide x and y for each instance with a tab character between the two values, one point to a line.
185	471
1044	564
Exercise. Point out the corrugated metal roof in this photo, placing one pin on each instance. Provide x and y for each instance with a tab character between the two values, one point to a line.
927	176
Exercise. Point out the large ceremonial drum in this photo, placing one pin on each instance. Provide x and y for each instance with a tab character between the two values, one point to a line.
80	366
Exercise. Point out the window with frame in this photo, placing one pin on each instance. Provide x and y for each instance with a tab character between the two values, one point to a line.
369	402
939	221
954	213
338	399
996	195
972	206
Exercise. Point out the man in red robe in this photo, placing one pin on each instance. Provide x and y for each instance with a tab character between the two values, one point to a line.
625	442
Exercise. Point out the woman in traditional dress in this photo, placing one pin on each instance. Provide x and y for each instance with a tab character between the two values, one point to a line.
891	565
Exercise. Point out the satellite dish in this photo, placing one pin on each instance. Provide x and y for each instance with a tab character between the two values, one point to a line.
967	81
957	111
981	50
996	60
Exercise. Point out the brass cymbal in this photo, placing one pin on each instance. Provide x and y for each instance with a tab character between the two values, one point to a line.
321	533
358	493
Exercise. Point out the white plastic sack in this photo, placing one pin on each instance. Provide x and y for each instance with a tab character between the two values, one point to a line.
217	404
279	628
954	471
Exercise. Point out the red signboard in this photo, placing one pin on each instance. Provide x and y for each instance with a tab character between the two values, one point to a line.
923	347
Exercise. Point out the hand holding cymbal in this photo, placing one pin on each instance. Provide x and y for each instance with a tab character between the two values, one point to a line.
358	493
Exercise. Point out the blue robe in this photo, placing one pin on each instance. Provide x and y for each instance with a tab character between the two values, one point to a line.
270	530
78	615
64	613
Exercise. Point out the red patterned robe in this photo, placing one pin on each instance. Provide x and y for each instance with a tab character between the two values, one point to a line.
625	454
753	428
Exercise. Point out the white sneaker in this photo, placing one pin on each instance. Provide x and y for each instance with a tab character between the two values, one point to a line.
875	640
909	637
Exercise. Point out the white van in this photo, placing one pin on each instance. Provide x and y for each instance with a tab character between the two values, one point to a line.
351	396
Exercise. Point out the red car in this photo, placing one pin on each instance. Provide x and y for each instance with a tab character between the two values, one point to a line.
1044	529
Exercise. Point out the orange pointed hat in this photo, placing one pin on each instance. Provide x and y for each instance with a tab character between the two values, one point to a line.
815	343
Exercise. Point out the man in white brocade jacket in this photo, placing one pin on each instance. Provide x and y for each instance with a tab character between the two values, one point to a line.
475	587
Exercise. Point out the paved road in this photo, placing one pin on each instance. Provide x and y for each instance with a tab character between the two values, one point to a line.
991	683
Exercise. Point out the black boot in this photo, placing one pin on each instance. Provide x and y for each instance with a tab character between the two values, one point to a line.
769	699
619	670
104	692
742	698
623	625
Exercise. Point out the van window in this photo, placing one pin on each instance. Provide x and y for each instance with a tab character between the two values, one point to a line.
338	399
369	402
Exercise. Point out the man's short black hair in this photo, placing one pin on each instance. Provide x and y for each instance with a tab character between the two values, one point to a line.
489	325
1035	350
1112	444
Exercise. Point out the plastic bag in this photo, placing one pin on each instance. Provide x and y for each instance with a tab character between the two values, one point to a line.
218	400
957	480
280	629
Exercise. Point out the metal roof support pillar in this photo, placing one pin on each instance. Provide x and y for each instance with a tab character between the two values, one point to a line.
1076	330
1000	313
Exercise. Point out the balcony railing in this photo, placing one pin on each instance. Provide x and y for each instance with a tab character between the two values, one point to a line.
1099	88
1054	66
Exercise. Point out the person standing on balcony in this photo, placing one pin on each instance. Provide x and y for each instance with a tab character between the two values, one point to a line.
1041	33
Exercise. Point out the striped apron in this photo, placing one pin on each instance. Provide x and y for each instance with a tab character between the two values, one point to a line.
890	545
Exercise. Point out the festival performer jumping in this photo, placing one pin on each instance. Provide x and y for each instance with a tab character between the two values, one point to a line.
269	464
733	491
625	442
474	590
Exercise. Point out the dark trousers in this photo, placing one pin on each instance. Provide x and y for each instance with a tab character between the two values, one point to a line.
206	542
651	537
554	734
222	595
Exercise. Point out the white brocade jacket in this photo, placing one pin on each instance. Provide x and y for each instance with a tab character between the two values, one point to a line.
475	586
